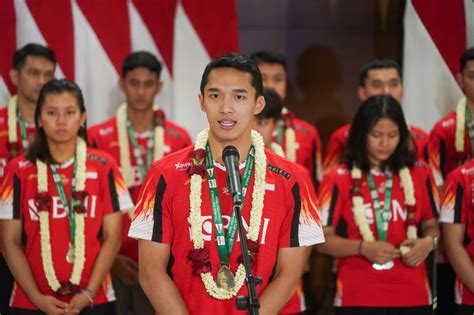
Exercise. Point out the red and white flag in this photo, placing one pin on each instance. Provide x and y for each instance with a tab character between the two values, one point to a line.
437	32
91	38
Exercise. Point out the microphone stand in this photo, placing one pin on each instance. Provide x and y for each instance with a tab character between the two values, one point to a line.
249	303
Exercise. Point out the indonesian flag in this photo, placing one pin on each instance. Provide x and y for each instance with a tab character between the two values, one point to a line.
91	38
437	32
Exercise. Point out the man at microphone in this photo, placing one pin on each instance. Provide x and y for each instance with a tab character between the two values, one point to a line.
190	260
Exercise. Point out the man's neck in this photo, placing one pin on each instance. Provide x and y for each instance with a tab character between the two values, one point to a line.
26	109
141	120
217	146
62	152
470	105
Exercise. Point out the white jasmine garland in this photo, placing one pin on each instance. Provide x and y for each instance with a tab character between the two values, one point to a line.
79	246
195	199
11	110
277	149
460	124
125	162
290	139
358	206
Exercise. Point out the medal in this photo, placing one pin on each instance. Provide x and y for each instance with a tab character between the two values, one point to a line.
387	266
225	279
70	254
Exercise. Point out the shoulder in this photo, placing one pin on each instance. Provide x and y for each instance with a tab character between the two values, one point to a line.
418	132
174	164
304	127
21	164
343	131
448	122
339	173
175	130
105	128
464	172
421	169
3	117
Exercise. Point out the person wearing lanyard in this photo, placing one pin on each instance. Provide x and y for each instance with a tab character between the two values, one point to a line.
33	66
136	136
380	211
61	208
190	257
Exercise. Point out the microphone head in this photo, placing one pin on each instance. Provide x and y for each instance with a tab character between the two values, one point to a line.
230	150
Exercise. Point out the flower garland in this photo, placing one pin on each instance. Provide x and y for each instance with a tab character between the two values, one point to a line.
290	137
158	138
358	205
277	149
460	124
43	202
195	199
12	136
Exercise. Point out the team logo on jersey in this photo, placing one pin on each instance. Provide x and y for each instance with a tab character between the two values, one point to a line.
57	210
341	171
182	166
106	131
447	123
467	171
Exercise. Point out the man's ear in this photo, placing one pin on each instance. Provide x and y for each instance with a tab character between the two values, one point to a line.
459	79
361	93
13	73
260	105
201	102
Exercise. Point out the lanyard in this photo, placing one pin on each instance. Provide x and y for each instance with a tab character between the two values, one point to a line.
225	242
62	195
382	218
24	135
281	132
470	127
137	151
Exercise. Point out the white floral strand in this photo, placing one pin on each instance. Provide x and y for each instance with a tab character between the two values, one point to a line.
460	124
125	162
79	249
195	200
12	136
277	149
290	139
358	206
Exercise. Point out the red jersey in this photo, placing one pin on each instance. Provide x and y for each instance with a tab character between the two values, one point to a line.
5	155
338	139
308	148
290	219
443	157
358	284
104	136
107	193
458	202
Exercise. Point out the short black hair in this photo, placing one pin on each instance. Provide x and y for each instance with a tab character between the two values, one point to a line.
141	59
39	149
37	50
369	113
236	61
378	64
273	105
468	55
268	56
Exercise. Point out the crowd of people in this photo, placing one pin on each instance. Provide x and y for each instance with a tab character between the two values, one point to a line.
131	217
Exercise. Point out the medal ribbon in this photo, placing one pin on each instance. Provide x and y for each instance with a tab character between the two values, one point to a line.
137	151
225	242
470	128
62	195
24	135
382	217
281	132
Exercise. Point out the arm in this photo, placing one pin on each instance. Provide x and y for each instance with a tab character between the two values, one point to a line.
288	270
164	296
421	247
453	236
20	268
112	225
375	251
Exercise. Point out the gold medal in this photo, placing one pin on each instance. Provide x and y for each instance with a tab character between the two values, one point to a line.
70	254
225	279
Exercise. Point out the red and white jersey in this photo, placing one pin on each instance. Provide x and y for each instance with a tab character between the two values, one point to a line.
107	193
105	137
308	148
457	206
443	157
338	139
290	219
4	144
358	284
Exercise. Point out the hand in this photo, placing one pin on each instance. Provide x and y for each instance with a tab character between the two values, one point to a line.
50	305
379	252
77	304
419	250
126	269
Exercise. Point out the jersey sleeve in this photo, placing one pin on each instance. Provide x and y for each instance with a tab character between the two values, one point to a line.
436	156
430	198
317	159
333	153
114	192
329	195
152	218
10	193
302	224
455	204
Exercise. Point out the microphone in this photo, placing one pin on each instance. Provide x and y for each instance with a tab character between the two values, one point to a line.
231	157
